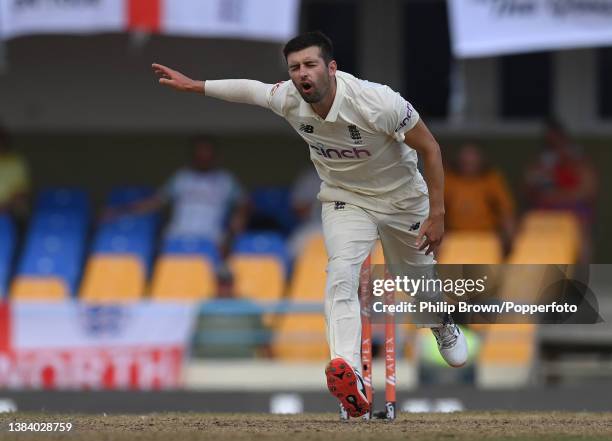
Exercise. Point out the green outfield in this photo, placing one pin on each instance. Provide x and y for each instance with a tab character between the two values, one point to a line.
313	427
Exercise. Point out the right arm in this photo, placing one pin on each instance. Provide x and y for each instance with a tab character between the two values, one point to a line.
148	205
237	91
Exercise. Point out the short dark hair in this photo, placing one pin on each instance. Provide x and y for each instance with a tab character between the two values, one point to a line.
308	39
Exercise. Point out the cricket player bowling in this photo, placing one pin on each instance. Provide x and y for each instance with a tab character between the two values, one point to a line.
364	139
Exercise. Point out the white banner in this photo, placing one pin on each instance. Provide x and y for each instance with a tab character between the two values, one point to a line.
22	17
274	20
495	27
268	20
78	346
78	325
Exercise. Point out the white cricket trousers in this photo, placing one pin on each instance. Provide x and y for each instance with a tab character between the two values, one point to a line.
350	233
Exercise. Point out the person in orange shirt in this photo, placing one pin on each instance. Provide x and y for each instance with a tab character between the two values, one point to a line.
477	196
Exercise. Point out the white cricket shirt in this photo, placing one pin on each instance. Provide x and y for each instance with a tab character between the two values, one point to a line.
358	149
201	202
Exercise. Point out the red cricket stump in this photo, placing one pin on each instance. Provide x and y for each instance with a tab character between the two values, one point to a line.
366	347
366	332
390	359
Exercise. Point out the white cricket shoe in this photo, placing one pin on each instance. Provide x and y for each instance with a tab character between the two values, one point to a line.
452	344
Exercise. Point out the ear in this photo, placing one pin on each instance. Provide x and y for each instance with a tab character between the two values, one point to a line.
332	67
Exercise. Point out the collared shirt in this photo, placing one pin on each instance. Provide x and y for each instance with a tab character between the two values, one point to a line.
358	149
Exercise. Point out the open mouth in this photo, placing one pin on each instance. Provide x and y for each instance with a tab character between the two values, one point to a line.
306	87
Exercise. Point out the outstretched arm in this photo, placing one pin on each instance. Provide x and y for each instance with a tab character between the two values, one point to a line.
432	230
237	91
176	80
144	206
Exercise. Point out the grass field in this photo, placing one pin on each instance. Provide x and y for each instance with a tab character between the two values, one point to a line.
414	427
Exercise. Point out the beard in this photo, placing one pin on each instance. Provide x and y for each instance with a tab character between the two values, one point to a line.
314	97
317	93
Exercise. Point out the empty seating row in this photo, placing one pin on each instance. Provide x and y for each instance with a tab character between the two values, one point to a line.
52	261
121	268
122	253
544	237
185	271
54	247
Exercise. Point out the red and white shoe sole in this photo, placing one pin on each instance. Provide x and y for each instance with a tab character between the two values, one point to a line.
342	383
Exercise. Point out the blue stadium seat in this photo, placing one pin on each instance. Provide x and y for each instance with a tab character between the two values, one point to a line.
274	203
144	224
141	224
62	199
264	242
58	222
186	245
43	265
7	248
56	238
132	234
47	253
120	196
141	243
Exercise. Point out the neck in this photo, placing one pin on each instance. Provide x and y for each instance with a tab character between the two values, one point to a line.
323	107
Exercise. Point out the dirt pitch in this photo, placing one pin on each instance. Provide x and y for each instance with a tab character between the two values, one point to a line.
313	427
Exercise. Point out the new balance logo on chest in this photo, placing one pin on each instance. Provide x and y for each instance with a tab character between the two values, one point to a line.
306	128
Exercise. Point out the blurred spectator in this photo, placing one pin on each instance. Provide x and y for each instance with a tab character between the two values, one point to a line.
476	195
307	209
563	178
433	370
230	326
207	201
14	180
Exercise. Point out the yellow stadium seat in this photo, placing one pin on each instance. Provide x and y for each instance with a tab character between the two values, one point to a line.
410	333
182	277
308	281
545	248
39	289
548	220
113	278
507	355
543	238
470	248
301	337
258	277
508	345
551	237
